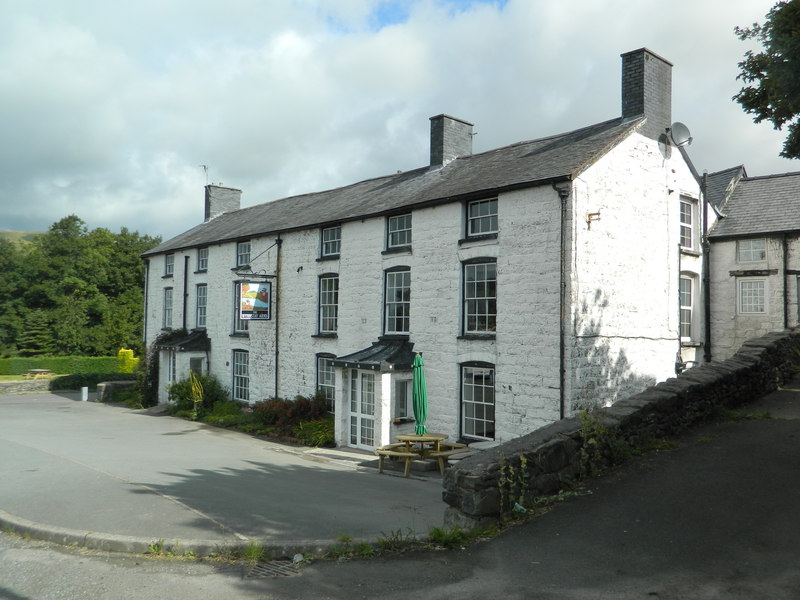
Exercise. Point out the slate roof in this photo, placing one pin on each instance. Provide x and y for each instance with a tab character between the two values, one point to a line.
536	162
759	206
722	183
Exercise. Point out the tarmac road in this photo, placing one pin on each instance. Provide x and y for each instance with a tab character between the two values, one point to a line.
715	518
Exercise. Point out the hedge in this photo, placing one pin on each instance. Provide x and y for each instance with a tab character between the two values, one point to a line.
72	365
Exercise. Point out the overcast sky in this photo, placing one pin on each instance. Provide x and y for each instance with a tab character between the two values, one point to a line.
110	108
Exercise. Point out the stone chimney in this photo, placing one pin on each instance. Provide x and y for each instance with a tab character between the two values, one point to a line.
450	138
647	91
221	200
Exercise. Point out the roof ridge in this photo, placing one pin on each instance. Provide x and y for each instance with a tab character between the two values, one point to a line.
772	176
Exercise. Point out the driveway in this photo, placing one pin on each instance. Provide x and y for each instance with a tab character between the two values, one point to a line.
129	477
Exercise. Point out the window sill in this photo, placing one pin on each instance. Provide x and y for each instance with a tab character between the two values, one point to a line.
690	252
403	420
397	250
167	276
691	344
240	334
240	268
326	335
477	336
329	257
477	238
201	271
394	336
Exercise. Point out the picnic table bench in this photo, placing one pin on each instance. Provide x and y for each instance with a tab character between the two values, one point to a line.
410	448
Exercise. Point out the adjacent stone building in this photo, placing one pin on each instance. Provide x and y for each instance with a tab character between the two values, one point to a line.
754	257
535	279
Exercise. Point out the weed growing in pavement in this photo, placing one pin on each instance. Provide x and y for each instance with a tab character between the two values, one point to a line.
156	548
254	551
396	540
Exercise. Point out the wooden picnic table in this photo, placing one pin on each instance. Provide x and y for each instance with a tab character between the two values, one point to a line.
36	373
430	446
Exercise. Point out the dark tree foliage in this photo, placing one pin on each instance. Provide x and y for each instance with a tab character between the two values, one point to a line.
772	76
71	291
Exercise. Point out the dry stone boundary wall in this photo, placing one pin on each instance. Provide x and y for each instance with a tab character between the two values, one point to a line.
549	459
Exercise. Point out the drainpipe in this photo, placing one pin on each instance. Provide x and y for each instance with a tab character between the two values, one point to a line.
706	272
563	193
277	304
785	275
144	304
185	287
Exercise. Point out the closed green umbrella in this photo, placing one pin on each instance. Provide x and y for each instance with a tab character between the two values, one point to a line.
419	395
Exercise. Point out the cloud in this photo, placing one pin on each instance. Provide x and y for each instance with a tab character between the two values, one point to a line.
113	107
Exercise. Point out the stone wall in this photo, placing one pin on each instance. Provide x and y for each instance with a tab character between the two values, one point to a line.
481	486
24	386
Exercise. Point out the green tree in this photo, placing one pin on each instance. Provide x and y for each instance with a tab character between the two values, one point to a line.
772	76
73	291
37	337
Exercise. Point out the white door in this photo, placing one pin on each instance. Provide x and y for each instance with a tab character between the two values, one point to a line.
362	409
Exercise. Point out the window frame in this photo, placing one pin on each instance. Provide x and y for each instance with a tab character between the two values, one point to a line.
168	308
330	252
202	259
391	314
326	378
240	374
169	265
740	252
240	326
686	325
328	312
490	328
403	411
740	295
404	231
241	255
489	428
201	306
471	232
688	230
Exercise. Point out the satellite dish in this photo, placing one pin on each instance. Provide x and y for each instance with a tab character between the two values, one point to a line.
679	133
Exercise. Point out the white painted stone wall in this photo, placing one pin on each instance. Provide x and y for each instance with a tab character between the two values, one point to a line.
730	328
622	276
625	272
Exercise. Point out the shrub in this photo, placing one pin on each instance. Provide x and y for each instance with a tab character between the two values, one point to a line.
181	395
126	363
316	433
285	415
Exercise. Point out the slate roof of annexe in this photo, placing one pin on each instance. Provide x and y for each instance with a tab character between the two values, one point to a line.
524	164
761	206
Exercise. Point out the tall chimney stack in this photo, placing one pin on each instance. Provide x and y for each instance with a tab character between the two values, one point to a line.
647	91
221	199
450	138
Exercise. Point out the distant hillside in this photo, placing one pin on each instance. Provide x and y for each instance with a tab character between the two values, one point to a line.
19	236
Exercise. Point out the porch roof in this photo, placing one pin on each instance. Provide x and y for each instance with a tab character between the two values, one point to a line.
387	354
196	341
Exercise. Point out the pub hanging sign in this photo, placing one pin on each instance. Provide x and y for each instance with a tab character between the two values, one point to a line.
255	301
